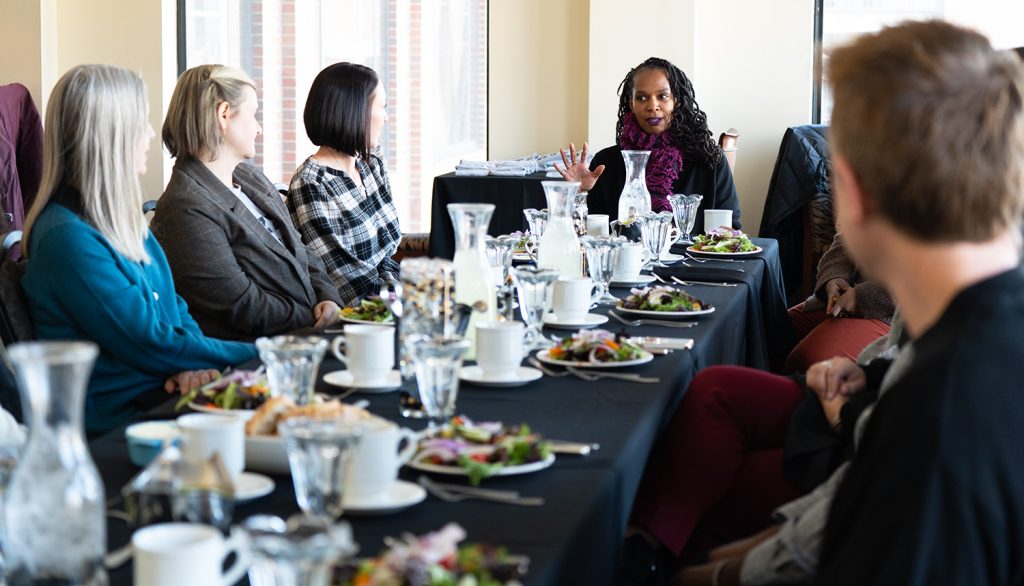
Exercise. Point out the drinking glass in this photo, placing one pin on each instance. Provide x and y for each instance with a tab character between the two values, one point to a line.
318	454
601	263
292	363
437	362
299	552
655	228
534	287
685	209
537	220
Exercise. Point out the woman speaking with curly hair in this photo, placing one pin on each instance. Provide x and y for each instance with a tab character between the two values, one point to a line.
658	112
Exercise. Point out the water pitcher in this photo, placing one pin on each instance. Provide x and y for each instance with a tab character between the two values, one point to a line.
559	247
55	528
473	279
634	200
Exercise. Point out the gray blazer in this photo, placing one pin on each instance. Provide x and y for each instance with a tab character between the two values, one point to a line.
238	280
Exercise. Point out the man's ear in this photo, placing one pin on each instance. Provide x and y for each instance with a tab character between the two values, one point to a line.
223	113
851	205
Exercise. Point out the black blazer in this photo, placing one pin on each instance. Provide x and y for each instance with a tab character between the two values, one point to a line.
238	280
716	185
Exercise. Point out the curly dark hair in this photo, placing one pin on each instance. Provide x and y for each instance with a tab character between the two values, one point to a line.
689	126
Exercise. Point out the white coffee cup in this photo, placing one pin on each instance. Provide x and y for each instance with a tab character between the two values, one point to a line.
499	348
628	260
170	554
379	455
369	352
570	300
716	219
597	224
204	434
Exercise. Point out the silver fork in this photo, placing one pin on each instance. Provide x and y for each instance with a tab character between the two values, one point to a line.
652	322
451	496
708	283
624	376
702	260
543	368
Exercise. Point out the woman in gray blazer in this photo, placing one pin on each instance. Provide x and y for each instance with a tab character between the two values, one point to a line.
236	258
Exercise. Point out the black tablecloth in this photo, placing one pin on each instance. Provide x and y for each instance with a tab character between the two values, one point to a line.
574	538
510	196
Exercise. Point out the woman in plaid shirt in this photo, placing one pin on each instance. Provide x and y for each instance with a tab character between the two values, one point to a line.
340	198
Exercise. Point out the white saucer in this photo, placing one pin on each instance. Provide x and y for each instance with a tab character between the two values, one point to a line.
590	320
670	257
398	496
640	280
473	375
251	486
343	378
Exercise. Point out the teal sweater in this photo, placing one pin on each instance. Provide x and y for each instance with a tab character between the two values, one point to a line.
80	288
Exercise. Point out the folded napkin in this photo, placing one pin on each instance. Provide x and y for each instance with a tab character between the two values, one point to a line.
471	172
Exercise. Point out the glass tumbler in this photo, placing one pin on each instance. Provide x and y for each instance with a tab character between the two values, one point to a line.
319	451
292	364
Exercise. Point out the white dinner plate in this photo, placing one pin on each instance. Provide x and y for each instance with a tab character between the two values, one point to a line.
368	322
242	413
589	320
645	357
503	471
251	486
521	256
266	453
474	375
343	378
663	314
639	281
757	250
400	495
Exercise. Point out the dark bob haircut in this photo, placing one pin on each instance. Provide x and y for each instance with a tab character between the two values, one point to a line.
337	113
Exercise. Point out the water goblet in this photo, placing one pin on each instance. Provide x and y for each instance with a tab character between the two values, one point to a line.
292	363
300	550
655	229
600	252
437	361
684	207
319	451
534	287
537	220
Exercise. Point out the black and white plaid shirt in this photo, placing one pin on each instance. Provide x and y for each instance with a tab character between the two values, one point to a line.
355	233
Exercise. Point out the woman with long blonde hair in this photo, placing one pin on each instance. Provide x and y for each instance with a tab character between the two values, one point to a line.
94	271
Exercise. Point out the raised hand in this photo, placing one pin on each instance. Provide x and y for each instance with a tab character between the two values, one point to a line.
577	170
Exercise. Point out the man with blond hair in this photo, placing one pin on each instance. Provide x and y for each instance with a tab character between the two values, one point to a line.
928	166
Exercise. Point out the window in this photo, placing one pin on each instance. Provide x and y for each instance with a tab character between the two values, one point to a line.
842	20
431	56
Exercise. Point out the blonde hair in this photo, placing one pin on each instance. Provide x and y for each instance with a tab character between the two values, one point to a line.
95	117
191	128
931	118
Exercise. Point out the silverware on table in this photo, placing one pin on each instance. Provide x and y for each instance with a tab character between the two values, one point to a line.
543	368
709	283
574	448
593	375
652	322
453	493
703	260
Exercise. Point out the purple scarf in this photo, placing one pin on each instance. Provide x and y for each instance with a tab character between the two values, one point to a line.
662	167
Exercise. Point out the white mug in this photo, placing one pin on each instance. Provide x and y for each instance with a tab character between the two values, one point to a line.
499	348
628	260
369	352
375	463
170	554
204	434
716	219
597	224
570	301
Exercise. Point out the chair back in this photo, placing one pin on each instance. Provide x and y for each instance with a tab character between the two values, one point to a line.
15	323
727	140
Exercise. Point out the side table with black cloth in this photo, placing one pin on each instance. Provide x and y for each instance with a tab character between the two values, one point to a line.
575	537
510	196
801	174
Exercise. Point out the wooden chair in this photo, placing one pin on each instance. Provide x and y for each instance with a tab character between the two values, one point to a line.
727	140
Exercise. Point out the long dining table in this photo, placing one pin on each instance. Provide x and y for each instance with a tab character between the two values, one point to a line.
574	537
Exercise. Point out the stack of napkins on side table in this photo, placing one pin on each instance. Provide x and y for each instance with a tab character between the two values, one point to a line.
472	168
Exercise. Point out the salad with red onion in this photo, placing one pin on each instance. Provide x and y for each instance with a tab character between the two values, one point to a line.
464	443
662	298
723	239
595	346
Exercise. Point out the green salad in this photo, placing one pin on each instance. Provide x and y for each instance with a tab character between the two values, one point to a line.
723	240
482	448
662	299
370	309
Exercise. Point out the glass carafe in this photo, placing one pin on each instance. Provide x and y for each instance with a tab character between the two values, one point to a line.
55	530
559	247
634	200
473	279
